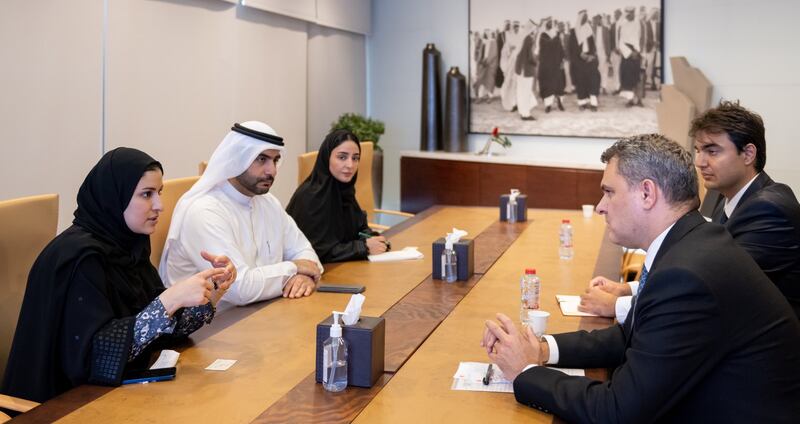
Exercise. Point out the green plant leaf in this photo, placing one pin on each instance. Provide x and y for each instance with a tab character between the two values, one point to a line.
365	129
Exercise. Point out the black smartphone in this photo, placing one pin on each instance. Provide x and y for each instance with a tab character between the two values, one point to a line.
339	288
146	376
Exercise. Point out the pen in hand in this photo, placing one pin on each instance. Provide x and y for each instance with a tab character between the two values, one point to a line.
365	236
488	377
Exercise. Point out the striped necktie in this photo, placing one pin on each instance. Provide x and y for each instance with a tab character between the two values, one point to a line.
642	281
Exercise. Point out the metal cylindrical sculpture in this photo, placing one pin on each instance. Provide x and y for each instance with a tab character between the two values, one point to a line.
455	112
431	131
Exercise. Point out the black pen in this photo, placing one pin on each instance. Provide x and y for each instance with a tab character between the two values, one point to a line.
488	377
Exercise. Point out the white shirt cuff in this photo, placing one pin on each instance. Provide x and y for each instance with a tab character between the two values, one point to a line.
553	358
551	343
621	308
634	287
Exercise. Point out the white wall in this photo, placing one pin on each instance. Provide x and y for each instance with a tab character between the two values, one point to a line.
336	79
179	73
746	49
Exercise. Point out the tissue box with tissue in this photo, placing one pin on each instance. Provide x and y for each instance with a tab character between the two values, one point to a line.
465	258
522	207
365	338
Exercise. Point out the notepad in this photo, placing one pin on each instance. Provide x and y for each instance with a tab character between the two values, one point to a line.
405	254
569	306
469	377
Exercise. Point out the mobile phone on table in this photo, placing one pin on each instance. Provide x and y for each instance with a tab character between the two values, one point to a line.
147	376
339	288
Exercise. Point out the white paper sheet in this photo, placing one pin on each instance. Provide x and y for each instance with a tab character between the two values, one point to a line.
407	253
221	364
167	359
469	376
569	306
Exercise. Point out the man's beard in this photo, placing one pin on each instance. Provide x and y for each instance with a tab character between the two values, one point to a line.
251	184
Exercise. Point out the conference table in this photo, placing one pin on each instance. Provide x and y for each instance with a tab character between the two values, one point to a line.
431	326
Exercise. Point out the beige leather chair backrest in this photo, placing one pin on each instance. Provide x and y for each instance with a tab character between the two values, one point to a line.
305	164
364	194
364	190
26	226
173	190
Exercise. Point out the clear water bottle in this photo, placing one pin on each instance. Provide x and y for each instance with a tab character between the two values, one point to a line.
529	287
565	249
334	359
449	263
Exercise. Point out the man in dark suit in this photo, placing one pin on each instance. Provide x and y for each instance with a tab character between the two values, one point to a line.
762	216
709	337
730	154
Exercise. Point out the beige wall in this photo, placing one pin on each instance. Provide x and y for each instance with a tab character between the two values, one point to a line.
336	82
50	97
178	74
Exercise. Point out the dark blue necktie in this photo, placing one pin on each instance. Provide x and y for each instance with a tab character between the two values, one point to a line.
724	218
642	279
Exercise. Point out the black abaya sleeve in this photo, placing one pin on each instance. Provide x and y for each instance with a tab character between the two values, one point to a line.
94	345
340	252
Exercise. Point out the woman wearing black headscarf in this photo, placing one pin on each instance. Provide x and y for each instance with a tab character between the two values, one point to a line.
325	207
94	304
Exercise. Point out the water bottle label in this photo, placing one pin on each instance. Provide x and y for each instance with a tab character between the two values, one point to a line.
444	268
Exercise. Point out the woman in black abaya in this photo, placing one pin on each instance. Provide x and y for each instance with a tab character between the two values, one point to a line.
94	304
325	207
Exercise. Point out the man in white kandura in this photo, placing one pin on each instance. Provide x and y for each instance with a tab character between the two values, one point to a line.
230	210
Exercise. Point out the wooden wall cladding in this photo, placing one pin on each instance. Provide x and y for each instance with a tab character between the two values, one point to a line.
427	182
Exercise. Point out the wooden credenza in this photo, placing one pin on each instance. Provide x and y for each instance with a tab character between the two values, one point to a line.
429	178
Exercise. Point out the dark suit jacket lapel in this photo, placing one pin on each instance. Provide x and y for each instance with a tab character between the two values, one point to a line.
711	202
761	181
682	226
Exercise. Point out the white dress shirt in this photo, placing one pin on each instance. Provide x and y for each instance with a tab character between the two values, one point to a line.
254	232
730	204
623	304
652	251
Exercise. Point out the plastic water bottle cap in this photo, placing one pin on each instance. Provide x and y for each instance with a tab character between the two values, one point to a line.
565	221
530	271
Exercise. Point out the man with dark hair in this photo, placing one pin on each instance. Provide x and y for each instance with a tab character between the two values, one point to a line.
762	216
709	337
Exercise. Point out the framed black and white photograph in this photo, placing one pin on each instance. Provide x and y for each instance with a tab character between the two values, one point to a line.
586	68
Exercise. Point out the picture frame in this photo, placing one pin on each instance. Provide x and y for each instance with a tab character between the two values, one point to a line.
579	68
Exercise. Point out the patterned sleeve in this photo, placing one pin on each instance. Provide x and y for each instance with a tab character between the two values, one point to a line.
151	322
193	318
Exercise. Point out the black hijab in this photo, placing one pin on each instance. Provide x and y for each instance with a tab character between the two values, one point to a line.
126	277
326	209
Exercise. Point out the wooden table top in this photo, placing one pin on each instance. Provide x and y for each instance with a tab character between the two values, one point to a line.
420	391
282	332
